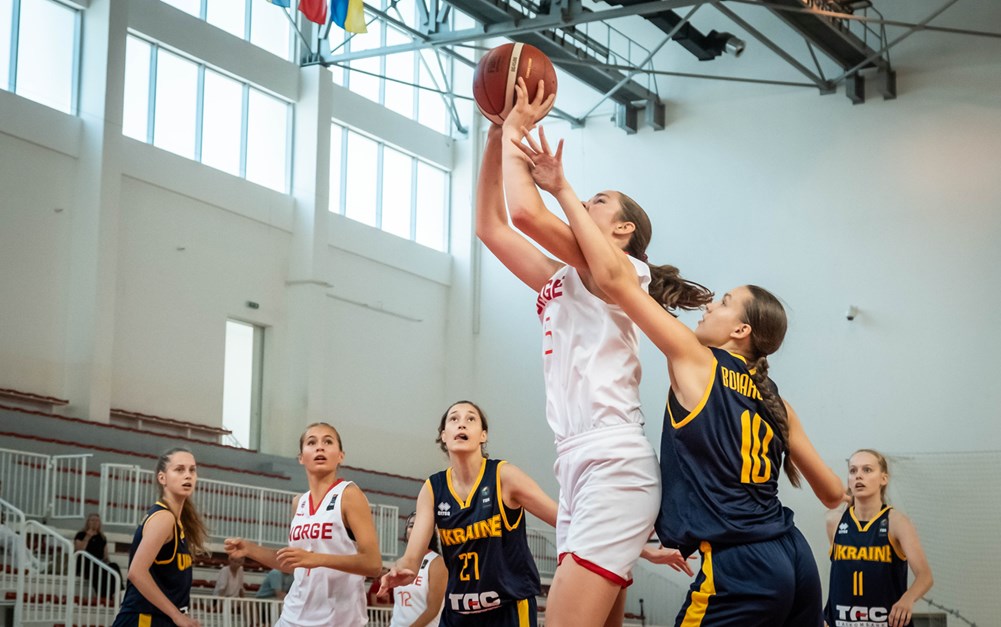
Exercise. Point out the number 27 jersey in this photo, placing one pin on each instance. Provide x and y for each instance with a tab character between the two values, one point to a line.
484	544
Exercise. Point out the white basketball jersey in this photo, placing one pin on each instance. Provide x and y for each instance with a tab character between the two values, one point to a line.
590	356
410	601
323	596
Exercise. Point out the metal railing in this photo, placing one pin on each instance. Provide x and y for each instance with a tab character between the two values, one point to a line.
228	509
387	528
94	592
13	555
213	611
44	486
49	581
542	546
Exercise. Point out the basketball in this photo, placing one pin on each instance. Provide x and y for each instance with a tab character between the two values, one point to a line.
498	72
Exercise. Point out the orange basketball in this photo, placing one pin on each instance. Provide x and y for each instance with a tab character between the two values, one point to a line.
498	71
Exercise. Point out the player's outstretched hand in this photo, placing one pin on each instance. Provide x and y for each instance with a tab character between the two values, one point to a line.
187	621
291	557
671	557
236	547
527	112
547	167
900	613
394	578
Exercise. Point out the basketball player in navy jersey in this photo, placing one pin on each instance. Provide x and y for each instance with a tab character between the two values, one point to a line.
333	545
478	505
726	434
605	465
159	577
872	544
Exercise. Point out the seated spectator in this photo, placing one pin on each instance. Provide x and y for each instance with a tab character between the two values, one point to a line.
230	581
276	585
92	540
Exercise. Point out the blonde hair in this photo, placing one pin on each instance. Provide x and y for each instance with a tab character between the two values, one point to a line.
883	466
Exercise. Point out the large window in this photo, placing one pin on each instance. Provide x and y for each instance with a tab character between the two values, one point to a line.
183	106
39	40
261	23
378	185
410	83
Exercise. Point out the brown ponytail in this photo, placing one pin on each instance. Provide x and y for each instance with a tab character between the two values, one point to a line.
666	285
673	292
767	318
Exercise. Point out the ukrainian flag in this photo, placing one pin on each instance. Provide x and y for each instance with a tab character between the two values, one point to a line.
349	15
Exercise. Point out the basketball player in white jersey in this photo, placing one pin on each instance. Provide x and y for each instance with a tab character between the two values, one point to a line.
608	472
332	541
419	603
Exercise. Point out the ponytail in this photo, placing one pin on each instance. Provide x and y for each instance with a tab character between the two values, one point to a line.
669	289
764	312
776	409
194	528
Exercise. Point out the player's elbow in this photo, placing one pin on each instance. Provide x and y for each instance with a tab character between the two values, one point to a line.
522	216
830	503
612	280
832	495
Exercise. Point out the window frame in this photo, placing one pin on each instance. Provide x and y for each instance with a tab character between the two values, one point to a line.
246	87
75	62
415	160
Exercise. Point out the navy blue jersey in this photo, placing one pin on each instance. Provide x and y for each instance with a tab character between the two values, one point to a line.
483	542
171	570
868	572
720	463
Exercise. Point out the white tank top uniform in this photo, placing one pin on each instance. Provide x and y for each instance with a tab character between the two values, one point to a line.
321	597
411	600
607	469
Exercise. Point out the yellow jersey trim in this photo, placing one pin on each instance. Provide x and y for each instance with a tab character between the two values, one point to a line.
145	620
466	502
699	603
503	507
698	408
858	524
176	523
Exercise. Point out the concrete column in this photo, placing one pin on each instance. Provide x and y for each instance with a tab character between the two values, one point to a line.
298	386
93	255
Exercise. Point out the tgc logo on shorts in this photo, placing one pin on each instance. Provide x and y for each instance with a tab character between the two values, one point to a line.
473	602
861	613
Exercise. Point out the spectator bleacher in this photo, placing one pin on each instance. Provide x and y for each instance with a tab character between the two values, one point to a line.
84	464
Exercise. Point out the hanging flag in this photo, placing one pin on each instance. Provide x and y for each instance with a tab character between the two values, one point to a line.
315	11
349	15
281	3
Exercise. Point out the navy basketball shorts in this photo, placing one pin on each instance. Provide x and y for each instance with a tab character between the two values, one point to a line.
523	613
773	583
